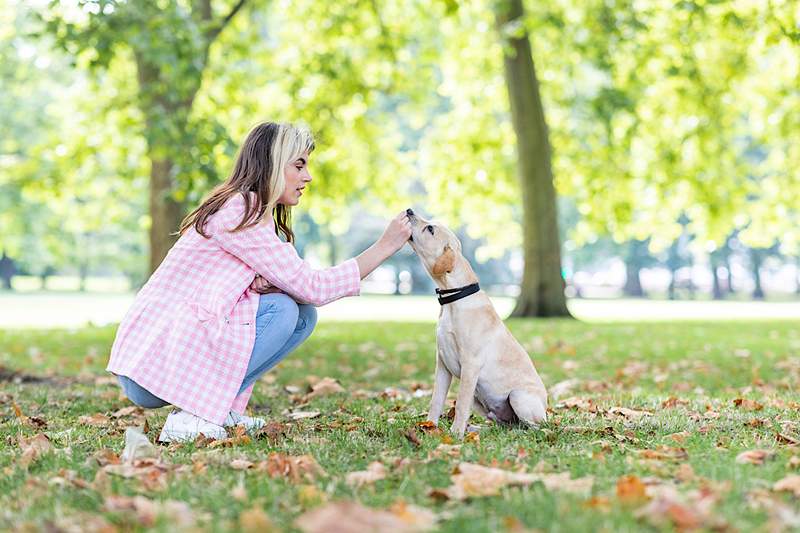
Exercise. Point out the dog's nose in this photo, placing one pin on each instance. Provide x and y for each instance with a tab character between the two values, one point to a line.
409	212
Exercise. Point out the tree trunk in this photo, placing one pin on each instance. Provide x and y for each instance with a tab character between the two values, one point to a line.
7	271
633	266
716	290
542	290
165	213
755	262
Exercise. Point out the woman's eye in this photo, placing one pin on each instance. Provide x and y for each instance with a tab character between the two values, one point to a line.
429	228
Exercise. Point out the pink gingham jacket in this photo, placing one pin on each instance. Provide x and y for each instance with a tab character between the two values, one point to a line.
189	334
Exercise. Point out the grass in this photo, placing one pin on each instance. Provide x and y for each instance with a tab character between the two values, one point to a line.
632	365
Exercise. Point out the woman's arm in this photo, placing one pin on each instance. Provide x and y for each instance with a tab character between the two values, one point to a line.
394	237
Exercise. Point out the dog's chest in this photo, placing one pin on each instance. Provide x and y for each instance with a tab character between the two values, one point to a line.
446	339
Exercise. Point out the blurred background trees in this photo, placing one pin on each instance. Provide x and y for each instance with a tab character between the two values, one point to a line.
672	130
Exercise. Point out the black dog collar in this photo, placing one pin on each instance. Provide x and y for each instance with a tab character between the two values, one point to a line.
447	296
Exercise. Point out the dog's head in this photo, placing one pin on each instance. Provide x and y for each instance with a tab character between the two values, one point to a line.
437	247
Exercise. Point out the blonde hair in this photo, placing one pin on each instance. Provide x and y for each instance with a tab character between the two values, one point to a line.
259	168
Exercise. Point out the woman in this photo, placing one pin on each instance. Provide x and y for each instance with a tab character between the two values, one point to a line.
232	298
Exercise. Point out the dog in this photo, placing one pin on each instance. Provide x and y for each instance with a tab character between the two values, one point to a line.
498	379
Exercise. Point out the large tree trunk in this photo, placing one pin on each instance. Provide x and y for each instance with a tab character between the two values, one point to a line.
542	290
165	213
166	118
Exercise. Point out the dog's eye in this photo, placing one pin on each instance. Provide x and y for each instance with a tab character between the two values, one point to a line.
429	228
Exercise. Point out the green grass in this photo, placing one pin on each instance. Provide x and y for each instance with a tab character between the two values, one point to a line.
634	365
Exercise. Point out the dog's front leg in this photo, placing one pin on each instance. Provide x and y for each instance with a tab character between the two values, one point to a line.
441	384
466	396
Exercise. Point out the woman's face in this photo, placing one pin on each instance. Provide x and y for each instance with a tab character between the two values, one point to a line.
297	176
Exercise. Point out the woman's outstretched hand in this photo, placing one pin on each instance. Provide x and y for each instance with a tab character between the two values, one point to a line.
394	237
396	233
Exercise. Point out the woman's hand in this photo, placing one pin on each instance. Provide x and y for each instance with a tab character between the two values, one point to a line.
262	286
396	233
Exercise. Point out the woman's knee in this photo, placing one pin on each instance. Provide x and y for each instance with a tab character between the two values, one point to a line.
307	317
284	310
139	395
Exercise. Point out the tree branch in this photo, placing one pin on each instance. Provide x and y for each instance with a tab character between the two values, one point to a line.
217	28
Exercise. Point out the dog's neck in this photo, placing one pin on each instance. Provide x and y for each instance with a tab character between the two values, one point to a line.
461	275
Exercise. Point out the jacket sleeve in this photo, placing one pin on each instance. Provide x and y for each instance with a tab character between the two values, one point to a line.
276	261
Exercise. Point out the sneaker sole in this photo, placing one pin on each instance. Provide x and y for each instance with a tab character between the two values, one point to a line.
183	436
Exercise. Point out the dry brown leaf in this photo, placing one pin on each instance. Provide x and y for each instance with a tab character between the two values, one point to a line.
472	480
294	468
684	513
255	520
131	410
680	436
748	405
324	387
352	517
241	464
754	457
33	448
790	483
299	415
632	414
147	511
685	473
794	462
96	420
374	472
106	457
665	453
631	489
272	431
672	401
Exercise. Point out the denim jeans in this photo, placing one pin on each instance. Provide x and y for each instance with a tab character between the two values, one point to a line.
281	326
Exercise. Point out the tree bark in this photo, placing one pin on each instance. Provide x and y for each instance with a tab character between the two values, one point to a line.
755	262
7	271
542	289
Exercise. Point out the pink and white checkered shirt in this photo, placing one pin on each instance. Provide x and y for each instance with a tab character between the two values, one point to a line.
189	334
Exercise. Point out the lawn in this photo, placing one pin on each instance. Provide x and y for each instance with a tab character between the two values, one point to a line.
648	429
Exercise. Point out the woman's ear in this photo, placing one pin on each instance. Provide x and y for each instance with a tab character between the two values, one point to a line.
445	262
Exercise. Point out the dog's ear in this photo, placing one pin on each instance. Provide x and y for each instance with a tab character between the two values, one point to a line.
445	262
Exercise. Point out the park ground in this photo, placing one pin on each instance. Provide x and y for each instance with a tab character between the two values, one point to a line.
653	425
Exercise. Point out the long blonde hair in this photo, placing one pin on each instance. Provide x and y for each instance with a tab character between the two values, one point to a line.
259	168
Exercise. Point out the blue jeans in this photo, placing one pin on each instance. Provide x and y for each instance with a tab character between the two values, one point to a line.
281	325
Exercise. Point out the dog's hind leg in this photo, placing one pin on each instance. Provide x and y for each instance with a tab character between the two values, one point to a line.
528	406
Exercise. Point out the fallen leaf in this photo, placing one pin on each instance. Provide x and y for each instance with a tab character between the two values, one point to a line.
748	405
128	411
298	415
241	464
137	446
272	431
665	453
324	387
255	520
790	483
632	414
33	448
96	420
147	511
294	468
754	457
667	506
352	517
412	437
374	472
472	480
631	489
672	401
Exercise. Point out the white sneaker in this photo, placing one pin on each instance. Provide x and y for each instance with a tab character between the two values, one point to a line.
249	423
183	426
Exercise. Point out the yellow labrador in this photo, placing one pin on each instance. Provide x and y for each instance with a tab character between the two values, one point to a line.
498	379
